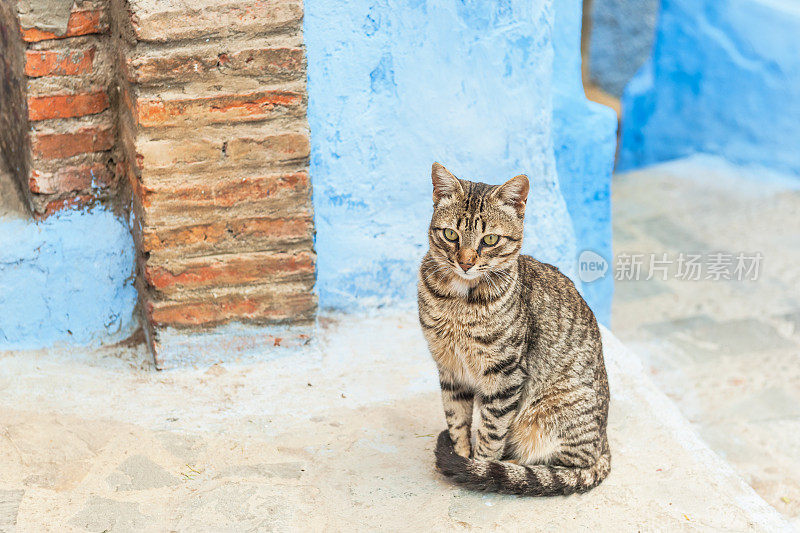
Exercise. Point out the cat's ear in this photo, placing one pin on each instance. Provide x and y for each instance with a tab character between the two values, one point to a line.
514	192
444	183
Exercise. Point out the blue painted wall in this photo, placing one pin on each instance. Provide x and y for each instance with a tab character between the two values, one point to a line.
394	86
585	142
67	279
724	79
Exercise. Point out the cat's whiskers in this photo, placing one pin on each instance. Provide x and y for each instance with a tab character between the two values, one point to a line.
493	285
438	268
498	285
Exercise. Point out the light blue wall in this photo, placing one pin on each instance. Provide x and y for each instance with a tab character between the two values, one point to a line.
585	142
67	279
394	86
724	79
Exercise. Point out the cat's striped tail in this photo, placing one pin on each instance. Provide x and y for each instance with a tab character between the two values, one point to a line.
511	478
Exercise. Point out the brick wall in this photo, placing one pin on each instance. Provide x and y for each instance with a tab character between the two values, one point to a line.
69	83
191	116
213	132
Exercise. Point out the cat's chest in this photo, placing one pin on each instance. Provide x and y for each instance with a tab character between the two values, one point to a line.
454	348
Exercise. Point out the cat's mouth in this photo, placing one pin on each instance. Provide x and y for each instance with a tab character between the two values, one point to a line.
471	274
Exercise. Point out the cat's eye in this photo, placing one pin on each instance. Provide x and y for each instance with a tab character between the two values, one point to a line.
490	240
450	235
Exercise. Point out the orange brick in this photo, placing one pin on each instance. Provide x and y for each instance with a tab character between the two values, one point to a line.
207	148
66	105
271	63
230	270
81	22
233	192
173	21
259	150
278	62
219	109
71	178
58	62
219	310
61	145
229	234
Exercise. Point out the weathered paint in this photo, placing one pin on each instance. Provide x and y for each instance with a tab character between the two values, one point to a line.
67	279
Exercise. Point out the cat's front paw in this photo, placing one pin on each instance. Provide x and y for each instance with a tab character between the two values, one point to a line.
463	449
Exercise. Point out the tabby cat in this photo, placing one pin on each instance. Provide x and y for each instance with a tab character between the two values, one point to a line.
513	337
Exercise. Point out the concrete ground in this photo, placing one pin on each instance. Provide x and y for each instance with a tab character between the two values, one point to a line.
338	437
728	351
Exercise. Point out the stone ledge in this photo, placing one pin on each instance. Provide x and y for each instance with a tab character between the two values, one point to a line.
175	348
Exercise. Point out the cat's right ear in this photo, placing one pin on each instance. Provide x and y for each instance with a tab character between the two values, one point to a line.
444	183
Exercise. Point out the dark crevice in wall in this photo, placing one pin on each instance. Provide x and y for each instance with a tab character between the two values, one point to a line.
12	201
14	140
586	33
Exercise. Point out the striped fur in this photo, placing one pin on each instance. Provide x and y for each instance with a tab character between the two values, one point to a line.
514	340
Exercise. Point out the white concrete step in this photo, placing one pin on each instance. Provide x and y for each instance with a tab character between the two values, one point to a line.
337	437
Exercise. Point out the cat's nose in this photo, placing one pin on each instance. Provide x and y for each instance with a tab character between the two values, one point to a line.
466	257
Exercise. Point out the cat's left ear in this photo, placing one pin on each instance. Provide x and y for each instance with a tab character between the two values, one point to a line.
514	192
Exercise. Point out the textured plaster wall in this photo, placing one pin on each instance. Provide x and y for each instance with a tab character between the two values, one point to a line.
46	15
724	79
67	279
394	86
585	141
621	40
